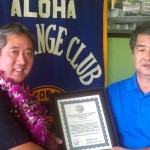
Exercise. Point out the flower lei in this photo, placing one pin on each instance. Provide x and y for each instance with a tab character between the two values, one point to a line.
31	112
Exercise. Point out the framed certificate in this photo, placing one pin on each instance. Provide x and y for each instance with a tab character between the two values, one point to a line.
83	120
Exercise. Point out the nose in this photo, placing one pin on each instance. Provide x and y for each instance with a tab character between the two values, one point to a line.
21	59
147	55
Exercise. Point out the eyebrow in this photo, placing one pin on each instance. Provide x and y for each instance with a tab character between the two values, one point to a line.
15	47
140	45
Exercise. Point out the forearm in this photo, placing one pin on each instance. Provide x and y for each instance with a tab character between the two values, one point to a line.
28	146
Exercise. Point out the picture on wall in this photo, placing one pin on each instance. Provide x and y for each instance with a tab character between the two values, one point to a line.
125	15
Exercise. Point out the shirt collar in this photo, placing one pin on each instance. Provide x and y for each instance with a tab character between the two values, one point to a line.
132	82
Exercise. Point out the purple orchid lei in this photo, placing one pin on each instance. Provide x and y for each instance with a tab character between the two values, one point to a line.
31	112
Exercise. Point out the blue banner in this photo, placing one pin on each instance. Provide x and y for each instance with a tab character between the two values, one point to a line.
69	46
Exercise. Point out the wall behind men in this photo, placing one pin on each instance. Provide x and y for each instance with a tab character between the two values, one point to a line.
120	65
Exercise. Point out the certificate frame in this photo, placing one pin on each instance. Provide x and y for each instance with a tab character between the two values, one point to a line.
83	120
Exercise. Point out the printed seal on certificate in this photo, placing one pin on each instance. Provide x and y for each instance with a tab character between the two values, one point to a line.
83	120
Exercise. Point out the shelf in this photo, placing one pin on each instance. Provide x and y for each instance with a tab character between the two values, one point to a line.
128	19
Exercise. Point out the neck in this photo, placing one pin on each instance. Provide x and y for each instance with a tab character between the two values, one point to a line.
144	84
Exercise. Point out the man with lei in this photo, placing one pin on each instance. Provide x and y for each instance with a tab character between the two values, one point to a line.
23	125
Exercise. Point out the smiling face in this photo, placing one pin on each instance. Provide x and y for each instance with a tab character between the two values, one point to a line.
16	57
141	55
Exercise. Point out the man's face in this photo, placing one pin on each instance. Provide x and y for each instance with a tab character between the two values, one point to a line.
141	55
16	57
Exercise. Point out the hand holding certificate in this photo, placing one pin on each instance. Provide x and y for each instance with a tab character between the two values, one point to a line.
83	120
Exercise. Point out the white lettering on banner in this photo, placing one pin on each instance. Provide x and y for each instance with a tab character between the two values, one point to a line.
47	5
66	10
48	44
71	10
82	46
27	13
88	77
87	69
16	9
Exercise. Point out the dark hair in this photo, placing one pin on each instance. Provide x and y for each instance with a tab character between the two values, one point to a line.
143	28
15	28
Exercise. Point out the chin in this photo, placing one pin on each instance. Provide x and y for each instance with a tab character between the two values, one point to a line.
18	81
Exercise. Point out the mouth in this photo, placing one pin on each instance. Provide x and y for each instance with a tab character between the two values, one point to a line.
19	69
146	65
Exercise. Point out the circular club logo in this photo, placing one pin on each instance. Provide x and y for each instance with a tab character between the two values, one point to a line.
42	94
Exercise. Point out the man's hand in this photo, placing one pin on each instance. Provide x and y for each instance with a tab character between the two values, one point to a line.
118	148
54	142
